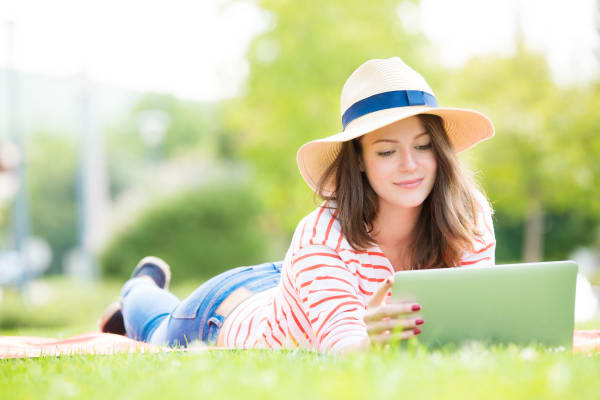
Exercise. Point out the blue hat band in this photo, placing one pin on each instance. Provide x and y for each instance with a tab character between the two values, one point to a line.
392	99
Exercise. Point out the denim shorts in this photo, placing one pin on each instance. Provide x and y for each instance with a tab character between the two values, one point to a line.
196	316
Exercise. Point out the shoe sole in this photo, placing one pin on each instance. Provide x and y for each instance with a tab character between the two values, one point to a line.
111	320
160	263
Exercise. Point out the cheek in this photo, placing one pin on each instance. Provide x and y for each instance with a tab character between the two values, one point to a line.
377	170
429	164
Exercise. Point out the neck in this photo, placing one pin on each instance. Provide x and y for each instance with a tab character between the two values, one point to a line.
394	226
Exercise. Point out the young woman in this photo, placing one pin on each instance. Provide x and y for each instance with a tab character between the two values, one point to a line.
395	198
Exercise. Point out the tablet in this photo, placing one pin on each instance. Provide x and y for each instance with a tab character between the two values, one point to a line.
529	303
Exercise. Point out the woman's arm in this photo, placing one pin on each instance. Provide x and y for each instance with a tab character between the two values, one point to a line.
329	297
339	317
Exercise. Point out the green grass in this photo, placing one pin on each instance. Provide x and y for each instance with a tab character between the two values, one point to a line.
471	372
61	307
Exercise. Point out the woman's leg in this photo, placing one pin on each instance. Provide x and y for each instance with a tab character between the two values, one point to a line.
197	317
154	315
145	306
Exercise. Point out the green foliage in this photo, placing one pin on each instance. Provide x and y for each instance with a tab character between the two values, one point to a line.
575	167
516	93
199	233
509	238
563	233
190	124
567	230
545	140
297	70
545	148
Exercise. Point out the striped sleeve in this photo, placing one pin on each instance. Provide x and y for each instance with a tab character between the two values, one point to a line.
485	246
329	296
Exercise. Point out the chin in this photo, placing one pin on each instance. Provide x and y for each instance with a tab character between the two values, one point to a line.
408	202
404	198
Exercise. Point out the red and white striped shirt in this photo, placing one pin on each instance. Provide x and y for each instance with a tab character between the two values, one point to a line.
325	287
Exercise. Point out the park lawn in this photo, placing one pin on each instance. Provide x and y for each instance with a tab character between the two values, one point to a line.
471	372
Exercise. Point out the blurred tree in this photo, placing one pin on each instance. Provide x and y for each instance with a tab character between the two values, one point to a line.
297	70
51	173
199	233
188	124
542	161
539	168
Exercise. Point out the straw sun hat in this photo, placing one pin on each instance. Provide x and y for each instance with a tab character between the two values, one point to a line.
381	92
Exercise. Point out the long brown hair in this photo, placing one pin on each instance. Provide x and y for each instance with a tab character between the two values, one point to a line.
447	223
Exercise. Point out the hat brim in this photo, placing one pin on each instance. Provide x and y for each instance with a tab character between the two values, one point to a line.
465	128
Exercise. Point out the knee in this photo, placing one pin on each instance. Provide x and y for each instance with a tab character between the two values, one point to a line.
136	284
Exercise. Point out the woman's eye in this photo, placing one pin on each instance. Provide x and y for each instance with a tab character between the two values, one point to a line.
386	153
424	146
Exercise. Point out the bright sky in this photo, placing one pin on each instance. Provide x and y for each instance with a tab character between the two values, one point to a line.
195	49
563	30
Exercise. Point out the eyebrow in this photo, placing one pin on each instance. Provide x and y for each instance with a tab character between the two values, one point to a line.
395	141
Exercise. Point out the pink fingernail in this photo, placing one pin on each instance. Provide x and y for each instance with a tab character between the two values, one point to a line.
416	307
417	331
419	321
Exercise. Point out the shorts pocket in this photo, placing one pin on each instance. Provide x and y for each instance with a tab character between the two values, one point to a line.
188	309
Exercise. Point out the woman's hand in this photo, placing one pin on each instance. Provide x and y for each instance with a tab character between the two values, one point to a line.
391	322
387	322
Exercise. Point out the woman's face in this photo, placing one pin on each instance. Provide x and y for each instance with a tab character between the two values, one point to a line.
400	163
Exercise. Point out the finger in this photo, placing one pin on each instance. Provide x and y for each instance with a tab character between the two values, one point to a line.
390	310
379	295
394	324
383	338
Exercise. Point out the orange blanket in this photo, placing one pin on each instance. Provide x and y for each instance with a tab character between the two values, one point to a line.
107	343
586	341
87	343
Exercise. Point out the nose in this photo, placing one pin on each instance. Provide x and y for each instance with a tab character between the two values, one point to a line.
407	161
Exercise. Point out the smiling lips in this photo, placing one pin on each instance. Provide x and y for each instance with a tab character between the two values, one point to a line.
411	184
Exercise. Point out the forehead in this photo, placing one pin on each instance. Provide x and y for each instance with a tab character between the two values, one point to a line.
405	129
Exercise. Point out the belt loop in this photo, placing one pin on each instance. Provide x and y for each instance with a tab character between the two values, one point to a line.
217	320
213	327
